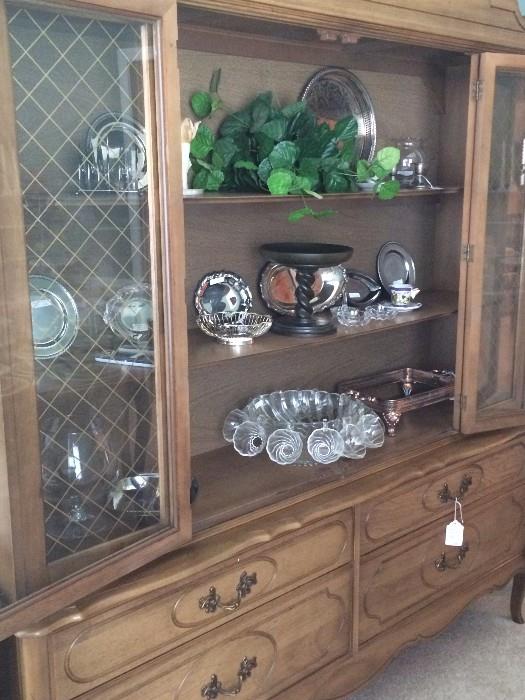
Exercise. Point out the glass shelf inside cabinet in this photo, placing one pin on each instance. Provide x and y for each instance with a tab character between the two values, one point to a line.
80	108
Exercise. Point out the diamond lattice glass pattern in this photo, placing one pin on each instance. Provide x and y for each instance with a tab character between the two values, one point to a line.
97	418
501	362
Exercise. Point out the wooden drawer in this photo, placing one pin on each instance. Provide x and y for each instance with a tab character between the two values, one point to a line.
105	644
402	577
386	518
289	638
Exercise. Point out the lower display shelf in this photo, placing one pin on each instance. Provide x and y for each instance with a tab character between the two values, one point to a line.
204	351
231	486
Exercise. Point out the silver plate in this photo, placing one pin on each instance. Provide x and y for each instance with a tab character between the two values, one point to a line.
129	314
277	285
395	263
222	291
114	142
54	316
334	93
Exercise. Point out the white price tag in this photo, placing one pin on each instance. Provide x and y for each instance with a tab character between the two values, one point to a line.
454	530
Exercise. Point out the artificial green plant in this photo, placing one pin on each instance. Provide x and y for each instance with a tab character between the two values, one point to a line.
282	150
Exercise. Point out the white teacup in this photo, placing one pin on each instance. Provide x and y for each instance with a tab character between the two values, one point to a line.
403	294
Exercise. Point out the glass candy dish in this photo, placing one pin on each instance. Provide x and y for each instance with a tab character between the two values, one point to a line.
351	316
237	328
304	427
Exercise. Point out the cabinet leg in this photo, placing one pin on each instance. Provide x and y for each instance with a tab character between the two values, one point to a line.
516	598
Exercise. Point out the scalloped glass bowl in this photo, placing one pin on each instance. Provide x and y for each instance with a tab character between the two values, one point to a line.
234	328
304	427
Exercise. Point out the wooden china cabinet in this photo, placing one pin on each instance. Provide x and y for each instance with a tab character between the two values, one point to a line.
346	563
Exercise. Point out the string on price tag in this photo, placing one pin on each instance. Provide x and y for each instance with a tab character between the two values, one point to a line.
454	530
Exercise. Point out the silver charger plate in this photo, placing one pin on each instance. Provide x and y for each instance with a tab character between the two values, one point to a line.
129	313
117	141
222	291
395	263
334	93
54	316
277	284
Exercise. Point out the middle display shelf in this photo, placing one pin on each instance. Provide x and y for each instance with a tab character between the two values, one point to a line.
203	353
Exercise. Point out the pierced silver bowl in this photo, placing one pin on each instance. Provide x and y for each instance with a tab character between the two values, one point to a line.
238	328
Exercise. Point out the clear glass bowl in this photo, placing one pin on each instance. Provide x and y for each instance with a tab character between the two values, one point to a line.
304	427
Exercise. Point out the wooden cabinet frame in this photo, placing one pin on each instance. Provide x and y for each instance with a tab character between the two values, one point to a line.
21	519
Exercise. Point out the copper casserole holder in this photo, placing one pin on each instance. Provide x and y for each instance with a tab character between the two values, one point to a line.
401	390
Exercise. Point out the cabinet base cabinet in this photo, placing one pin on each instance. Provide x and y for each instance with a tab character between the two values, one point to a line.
308	603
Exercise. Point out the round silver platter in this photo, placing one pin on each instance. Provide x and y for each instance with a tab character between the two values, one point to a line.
54	316
335	93
129	313
277	285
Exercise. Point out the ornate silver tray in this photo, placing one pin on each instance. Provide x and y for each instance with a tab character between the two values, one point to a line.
278	283
222	291
393	393
333	93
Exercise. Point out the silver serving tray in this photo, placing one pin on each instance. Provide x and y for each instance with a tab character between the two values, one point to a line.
401	390
334	93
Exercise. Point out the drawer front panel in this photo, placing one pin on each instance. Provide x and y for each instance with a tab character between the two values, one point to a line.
289	639
387	518
407	575
92	651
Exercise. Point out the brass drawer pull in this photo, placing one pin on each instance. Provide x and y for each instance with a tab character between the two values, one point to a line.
445	494
442	564
212	601
214	688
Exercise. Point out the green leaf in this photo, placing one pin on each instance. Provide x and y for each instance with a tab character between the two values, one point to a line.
246	164
331	149
335	182
235	123
346	129
309	167
275	128
388	189
203	142
283	155
323	213
329	163
265	145
293	109
280	181
217	160
264	170
215	80
260	113
200	179
225	147
216	103
378	170
388	157
299	214
363	170
301	184
204	164
214	180
201	104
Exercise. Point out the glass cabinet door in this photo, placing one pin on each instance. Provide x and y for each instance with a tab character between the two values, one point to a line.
494	321
85	282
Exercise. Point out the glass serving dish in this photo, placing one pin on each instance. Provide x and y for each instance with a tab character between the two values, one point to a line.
239	328
304	427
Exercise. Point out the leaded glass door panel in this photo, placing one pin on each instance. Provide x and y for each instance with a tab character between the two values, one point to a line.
100	415
494	343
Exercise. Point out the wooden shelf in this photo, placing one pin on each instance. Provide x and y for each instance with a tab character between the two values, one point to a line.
258	197
204	351
232	486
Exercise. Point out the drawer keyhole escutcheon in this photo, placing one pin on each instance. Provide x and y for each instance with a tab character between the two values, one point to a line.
215	688
445	495
442	564
212	602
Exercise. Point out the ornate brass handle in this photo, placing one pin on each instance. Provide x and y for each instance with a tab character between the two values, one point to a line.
442	564
215	688
211	602
445	494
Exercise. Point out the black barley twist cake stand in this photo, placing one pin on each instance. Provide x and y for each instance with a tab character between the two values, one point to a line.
305	259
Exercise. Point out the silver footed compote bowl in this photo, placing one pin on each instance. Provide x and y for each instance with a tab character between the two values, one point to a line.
306	259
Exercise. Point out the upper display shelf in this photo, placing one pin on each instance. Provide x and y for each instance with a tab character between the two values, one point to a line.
249	197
